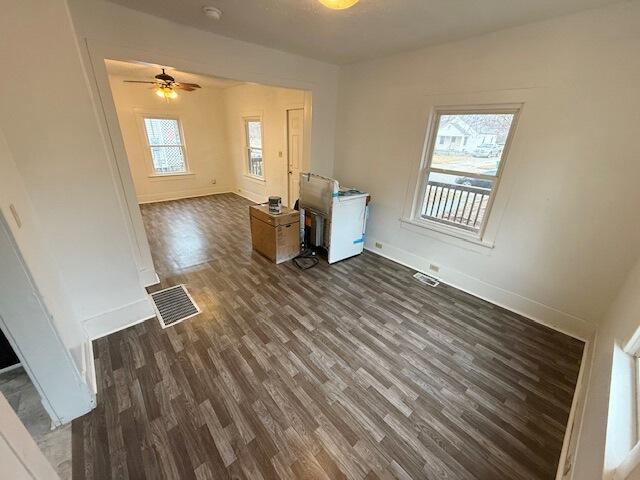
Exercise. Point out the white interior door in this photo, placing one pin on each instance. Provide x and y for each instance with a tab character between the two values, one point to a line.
295	139
28	326
20	457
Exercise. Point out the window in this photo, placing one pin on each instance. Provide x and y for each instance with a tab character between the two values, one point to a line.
253	142
625	392
461	169
166	145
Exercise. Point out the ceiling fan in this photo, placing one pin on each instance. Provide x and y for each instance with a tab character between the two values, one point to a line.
165	85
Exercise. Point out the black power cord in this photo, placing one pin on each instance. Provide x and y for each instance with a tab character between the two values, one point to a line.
306	259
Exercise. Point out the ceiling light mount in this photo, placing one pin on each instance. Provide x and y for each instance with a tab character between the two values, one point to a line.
339	4
212	12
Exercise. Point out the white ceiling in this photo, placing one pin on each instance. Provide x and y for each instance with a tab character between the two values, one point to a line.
147	71
370	29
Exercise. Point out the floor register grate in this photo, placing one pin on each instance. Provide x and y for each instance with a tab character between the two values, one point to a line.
173	305
426	279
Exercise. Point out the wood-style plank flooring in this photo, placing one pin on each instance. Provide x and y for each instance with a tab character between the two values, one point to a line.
353	371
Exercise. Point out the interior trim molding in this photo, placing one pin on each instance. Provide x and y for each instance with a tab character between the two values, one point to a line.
574	422
180	194
120	318
538	312
89	369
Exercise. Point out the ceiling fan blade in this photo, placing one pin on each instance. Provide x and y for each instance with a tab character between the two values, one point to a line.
186	88
137	81
192	85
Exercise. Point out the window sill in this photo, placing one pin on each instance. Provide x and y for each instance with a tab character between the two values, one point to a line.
174	176
444	232
253	178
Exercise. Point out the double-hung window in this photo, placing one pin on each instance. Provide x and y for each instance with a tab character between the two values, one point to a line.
166	145
464	157
253	147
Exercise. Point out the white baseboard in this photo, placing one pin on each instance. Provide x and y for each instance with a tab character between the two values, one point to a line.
254	197
576	414
89	368
119	319
148	277
538	312
179	194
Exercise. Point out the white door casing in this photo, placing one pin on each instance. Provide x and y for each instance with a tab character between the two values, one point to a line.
295	142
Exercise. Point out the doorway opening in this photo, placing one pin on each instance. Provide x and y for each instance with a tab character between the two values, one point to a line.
208	135
187	135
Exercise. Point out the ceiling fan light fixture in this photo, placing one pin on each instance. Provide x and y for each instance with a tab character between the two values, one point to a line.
339	4
166	93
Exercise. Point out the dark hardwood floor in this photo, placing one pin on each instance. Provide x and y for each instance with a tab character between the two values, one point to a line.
353	370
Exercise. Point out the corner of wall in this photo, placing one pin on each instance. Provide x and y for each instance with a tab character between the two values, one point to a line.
118	319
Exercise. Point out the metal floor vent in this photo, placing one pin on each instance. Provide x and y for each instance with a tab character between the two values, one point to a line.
426	279
173	305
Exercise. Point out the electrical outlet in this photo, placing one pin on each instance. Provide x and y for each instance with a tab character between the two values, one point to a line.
378	245
434	268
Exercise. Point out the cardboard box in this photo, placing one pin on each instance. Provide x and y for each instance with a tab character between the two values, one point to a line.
276	236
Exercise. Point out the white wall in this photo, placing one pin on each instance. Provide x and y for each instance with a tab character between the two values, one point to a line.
608	423
113	31
61	156
203	121
564	235
270	104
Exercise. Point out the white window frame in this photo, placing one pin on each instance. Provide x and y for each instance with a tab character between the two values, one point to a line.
425	168
632	459
152	169
247	147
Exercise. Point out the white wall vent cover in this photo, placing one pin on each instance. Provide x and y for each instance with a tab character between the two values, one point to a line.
173	305
426	279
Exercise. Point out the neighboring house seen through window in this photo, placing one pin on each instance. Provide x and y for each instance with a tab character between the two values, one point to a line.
166	145
465	155
253	145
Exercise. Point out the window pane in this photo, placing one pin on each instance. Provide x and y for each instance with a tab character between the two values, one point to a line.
471	142
255	162
162	131
254	133
168	159
456	200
